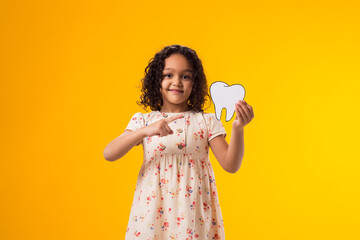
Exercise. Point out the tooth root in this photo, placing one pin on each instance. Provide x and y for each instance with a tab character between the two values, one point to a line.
225	96
218	110
230	113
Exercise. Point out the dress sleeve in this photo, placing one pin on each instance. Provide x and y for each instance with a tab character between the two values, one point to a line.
137	121
215	127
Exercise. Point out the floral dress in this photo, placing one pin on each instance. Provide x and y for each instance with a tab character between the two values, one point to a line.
176	195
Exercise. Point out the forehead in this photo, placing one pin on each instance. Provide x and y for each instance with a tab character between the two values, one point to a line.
177	62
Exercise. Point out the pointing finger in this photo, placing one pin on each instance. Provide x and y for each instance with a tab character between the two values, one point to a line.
239	114
168	129
170	119
245	110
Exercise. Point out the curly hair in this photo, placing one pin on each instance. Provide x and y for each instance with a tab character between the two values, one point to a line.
151	83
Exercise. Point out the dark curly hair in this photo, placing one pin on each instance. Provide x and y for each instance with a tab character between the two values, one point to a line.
151	83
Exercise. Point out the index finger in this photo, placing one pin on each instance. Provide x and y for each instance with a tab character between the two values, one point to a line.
170	119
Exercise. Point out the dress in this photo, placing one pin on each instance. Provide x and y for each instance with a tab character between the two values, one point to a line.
176	195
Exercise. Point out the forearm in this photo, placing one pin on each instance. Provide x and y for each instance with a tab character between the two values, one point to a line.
118	147
235	152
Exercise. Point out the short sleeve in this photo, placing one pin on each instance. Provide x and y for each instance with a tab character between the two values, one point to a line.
214	126
136	122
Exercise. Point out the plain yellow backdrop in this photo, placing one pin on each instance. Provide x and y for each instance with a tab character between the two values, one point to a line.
70	72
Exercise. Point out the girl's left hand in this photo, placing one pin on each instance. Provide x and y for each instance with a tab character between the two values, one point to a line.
244	115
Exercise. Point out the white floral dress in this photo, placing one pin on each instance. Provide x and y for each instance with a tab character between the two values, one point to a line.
176	195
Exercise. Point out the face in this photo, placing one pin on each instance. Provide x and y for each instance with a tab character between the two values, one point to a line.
177	82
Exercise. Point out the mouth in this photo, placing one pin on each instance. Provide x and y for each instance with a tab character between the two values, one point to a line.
175	90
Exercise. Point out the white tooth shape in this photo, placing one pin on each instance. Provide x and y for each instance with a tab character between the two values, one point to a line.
225	96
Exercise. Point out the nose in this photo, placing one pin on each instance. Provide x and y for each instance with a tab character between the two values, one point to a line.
177	80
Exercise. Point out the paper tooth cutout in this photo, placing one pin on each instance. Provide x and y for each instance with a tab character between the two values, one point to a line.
225	96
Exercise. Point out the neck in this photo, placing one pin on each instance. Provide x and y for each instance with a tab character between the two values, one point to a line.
174	109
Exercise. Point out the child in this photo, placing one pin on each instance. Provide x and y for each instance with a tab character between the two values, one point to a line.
176	195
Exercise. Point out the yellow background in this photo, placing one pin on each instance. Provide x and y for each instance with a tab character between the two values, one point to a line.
70	72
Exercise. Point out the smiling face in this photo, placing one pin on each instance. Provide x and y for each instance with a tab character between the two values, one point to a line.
176	85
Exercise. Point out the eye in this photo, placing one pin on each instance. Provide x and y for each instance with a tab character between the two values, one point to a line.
187	77
168	75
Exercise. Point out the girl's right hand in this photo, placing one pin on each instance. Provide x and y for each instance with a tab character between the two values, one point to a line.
161	128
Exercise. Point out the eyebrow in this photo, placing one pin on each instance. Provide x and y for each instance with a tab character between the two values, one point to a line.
186	70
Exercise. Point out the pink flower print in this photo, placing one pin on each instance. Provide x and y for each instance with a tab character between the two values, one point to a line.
173	237
179	175
172	194
158	168
202	163
200	180
201	133
211	179
151	226
165	225
188	191
137	233
190	233
214	194
160	211
179	218
161	147
134	118
148	198
213	223
196	235
206	206
191	163
192	206
163	181
201	221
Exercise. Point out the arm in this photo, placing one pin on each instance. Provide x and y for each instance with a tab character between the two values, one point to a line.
118	147
122	144
230	156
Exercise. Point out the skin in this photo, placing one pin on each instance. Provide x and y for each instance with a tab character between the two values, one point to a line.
230	155
177	75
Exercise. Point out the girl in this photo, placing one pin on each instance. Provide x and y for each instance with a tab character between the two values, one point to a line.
176	195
